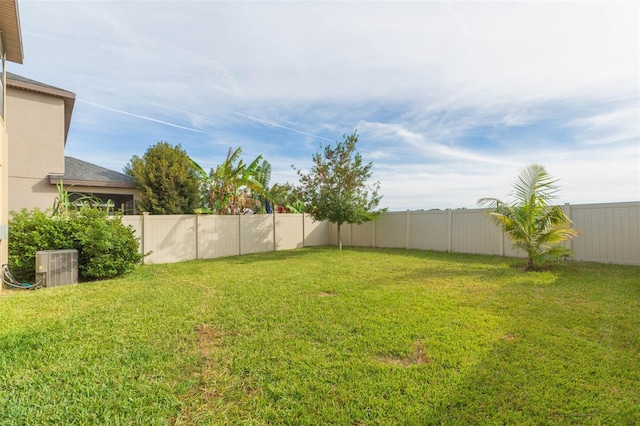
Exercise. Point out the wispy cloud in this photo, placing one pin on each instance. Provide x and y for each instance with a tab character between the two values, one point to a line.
620	125
142	117
421	146
271	123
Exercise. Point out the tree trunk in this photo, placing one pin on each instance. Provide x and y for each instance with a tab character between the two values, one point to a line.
530	265
339	238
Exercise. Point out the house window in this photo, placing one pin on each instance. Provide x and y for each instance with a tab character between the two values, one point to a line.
123	203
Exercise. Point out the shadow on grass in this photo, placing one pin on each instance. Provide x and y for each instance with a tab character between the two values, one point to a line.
433	266
281	255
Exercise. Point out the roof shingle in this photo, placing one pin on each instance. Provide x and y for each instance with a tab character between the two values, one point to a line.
81	171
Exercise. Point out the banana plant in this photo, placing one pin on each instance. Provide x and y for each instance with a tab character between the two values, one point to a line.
263	176
288	197
66	203
226	182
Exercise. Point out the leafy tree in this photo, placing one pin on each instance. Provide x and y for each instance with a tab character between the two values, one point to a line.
166	179
225	183
531	222
336	189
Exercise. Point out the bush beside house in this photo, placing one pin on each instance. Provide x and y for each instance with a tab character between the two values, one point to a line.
106	247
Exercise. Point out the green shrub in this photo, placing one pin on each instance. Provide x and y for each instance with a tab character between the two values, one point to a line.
106	247
29	232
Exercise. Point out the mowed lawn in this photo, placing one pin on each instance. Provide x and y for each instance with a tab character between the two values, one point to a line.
318	336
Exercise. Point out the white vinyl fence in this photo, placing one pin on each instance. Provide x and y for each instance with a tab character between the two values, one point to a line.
609	233
176	238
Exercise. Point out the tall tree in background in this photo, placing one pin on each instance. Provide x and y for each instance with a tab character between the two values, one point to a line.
532	224
167	181
336	189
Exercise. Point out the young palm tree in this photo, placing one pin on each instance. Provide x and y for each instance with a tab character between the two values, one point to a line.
531	222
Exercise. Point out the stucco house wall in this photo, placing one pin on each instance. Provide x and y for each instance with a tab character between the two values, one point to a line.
10	50
36	124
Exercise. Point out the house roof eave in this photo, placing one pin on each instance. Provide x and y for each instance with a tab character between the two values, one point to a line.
11	32
55	179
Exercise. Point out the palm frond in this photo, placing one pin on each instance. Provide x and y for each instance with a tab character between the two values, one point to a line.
232	157
534	186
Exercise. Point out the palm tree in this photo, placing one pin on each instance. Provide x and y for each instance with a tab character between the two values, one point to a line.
531	222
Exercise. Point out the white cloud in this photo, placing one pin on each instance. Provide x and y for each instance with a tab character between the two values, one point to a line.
450	98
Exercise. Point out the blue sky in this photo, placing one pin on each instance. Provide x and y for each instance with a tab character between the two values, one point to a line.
451	99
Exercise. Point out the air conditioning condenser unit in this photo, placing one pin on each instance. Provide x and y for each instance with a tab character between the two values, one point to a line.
57	267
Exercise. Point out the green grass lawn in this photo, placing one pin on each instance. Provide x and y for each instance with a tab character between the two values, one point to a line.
318	336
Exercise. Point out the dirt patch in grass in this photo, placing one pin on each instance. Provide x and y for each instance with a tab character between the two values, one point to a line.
205	394
327	293
209	339
418	356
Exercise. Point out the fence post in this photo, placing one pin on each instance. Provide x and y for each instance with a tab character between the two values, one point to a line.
239	234
304	235
273	221
197	235
373	242
406	230
449	230
146	234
